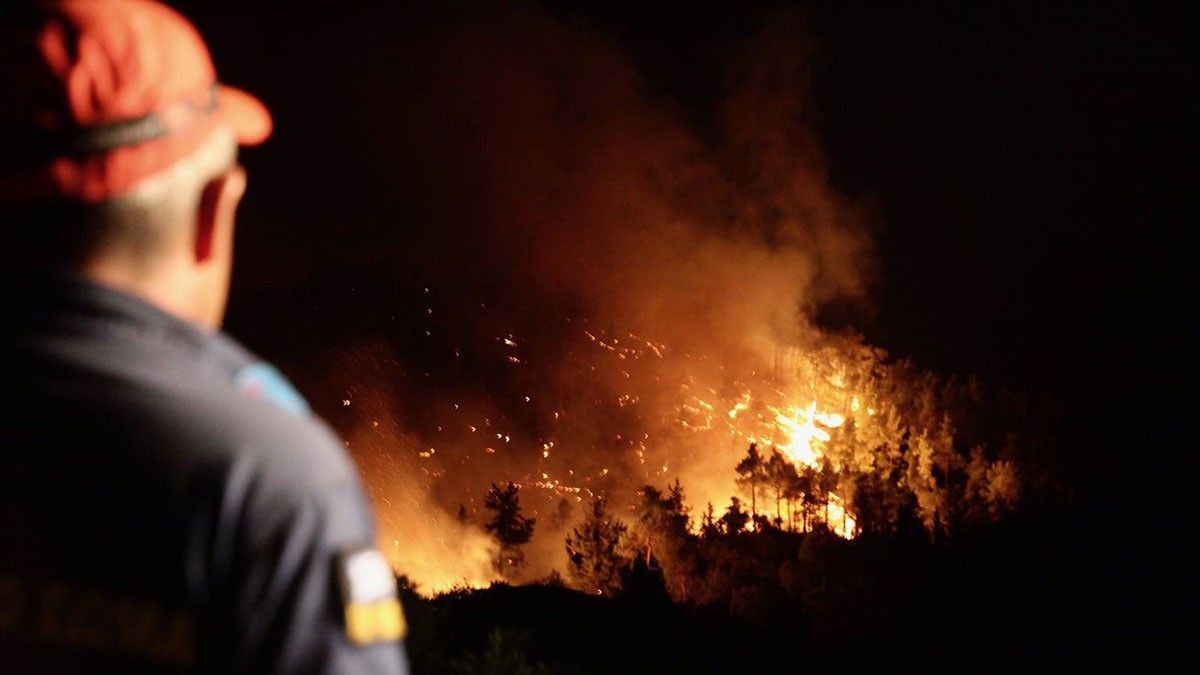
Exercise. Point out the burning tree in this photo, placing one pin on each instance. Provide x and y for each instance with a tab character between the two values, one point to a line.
752	472
709	525
735	519
594	552
662	522
509	527
783	477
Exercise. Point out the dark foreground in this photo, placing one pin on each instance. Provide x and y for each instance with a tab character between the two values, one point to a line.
1071	593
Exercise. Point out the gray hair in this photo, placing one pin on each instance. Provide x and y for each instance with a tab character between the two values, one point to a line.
145	223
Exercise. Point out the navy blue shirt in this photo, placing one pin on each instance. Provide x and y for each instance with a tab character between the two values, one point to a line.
168	504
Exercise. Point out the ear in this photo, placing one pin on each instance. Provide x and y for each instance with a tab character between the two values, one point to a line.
218	204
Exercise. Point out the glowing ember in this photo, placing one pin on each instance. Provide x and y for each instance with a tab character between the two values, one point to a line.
804	436
625	413
840	521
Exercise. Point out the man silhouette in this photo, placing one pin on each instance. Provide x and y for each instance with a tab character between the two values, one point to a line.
167	501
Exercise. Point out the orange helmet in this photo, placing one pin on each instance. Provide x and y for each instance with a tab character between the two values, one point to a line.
100	94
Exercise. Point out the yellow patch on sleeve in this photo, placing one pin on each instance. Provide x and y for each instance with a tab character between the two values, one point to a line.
371	608
381	621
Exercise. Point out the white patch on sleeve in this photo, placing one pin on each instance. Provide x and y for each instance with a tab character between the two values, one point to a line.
366	577
371	609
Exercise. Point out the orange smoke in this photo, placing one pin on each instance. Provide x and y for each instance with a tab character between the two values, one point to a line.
614	296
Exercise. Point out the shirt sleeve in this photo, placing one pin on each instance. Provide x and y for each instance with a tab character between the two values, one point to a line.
308	592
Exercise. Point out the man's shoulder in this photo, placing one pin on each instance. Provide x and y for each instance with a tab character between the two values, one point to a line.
226	421
102	368
275	469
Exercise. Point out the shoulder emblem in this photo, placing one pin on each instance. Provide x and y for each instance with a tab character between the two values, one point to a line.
368	589
262	380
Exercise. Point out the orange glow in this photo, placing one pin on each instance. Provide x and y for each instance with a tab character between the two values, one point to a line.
651	413
804	437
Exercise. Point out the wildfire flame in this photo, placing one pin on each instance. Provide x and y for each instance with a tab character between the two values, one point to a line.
652	321
803	435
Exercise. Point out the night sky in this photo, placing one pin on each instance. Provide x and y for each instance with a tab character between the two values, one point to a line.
1024	163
